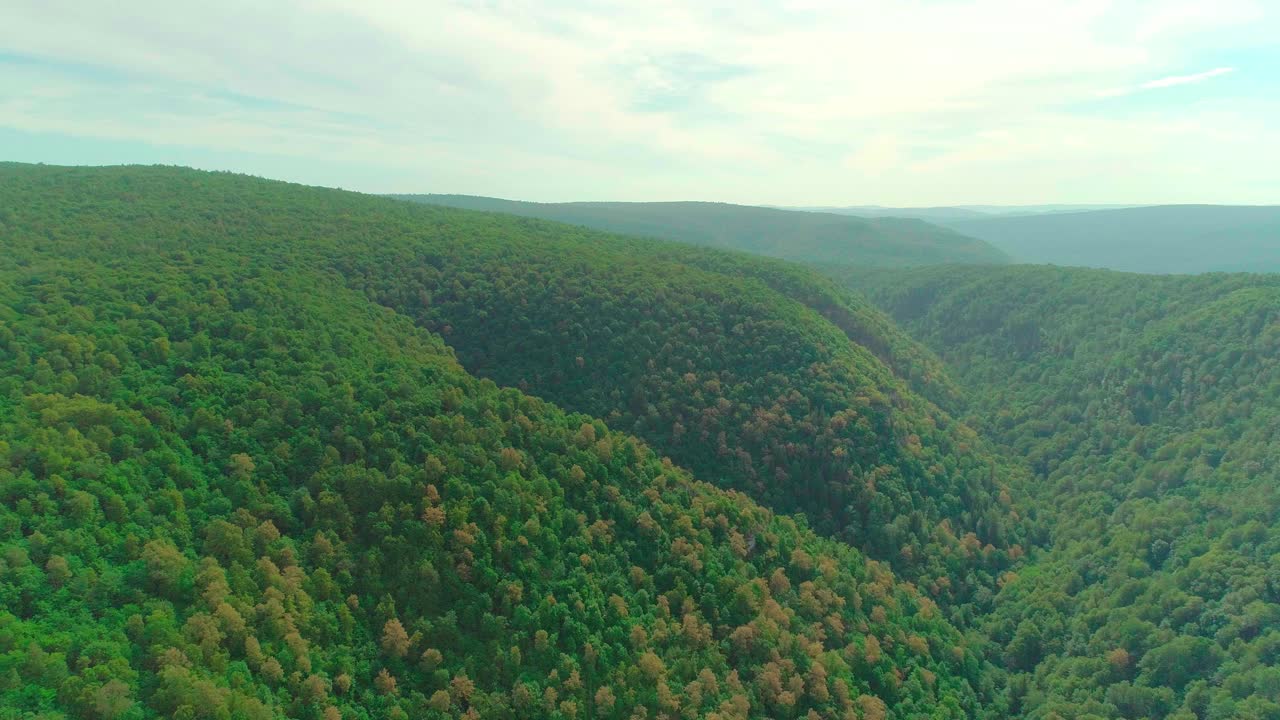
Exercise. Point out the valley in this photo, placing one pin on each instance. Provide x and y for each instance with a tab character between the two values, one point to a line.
272	450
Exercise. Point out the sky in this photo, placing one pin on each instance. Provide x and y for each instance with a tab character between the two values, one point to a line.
788	102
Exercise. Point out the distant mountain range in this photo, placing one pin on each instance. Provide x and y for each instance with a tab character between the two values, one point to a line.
1162	239
957	212
1149	239
1156	239
816	237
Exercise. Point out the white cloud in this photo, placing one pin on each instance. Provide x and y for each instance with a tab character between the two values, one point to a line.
1167	81
821	101
1172	80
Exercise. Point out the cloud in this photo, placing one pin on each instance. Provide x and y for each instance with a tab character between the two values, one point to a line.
1185	79
1168	81
813	102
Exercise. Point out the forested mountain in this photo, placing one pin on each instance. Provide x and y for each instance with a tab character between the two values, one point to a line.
944	214
939	214
803	236
246	472
1158	239
741	383
1149	408
276	451
755	374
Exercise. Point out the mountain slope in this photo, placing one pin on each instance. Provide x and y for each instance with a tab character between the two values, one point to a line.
801	236
691	349
1150	409
740	384
237	485
1160	239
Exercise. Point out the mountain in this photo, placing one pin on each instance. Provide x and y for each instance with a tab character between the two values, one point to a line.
928	214
755	373
807	237
1148	408
255	464
1040	209
945	215
697	352
1159	239
269	450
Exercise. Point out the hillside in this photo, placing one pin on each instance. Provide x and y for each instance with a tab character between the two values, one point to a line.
1159	239
746	387
928	214
806	237
239	480
1149	408
757	375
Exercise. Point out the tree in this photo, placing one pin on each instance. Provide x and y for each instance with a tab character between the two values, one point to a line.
395	641
165	564
385	682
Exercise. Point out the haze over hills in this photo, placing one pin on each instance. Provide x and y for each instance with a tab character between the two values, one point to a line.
1147	239
956	212
807	237
1157	239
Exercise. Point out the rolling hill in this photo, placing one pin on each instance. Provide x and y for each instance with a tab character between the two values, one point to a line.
806	237
269	450
249	470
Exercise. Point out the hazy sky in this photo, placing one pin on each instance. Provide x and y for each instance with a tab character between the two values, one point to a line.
893	102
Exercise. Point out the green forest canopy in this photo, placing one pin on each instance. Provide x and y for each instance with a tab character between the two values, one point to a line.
236	483
1149	410
269	450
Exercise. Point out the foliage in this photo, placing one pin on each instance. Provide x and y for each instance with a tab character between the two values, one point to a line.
793	235
1148	408
699	354
234	483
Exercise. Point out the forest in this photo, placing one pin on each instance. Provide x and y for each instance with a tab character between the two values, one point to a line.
1148	410
269	450
228	494
819	237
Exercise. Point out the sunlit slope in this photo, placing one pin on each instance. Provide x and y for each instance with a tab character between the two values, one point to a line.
236	486
749	388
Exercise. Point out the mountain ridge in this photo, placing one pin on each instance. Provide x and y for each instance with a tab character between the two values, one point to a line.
239	482
1173	239
811	237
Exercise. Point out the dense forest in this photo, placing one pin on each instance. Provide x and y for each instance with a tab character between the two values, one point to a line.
742	384
269	451
793	235
1149	410
244	474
